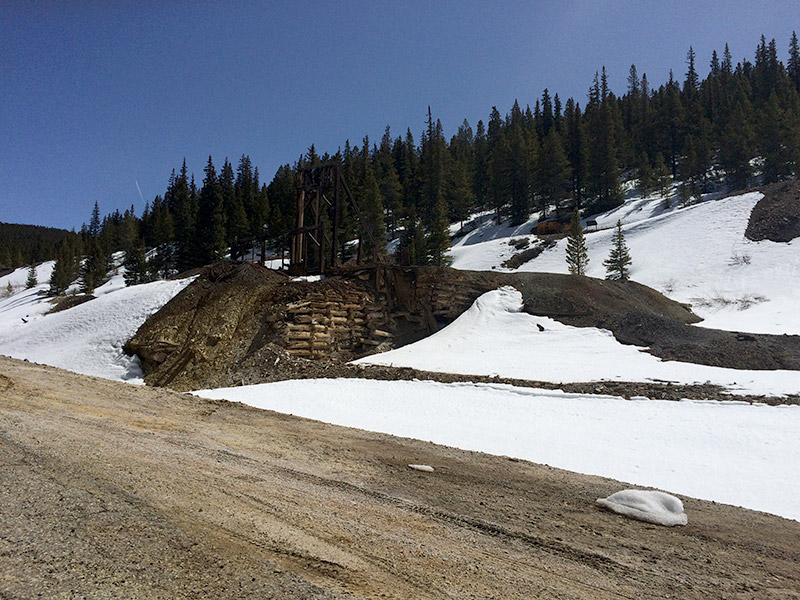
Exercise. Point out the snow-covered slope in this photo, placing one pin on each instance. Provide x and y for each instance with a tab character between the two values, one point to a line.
494	337
87	338
696	254
23	303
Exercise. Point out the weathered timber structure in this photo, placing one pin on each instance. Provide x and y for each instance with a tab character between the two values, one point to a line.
314	243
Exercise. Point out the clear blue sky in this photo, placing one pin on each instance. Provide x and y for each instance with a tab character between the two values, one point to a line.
96	96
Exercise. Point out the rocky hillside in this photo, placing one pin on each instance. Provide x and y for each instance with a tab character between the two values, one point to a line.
240	323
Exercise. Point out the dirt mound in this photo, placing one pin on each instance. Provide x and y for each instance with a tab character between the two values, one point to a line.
776	217
238	323
241	324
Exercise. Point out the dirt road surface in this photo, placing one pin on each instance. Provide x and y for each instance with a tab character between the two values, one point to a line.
115	491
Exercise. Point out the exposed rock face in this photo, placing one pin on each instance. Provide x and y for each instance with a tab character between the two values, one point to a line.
776	217
240	323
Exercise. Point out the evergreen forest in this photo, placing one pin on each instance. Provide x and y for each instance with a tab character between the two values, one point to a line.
737	127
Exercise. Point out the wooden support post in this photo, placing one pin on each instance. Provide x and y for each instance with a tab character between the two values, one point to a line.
335	228
298	240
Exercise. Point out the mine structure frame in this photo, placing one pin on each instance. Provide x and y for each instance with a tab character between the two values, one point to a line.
310	250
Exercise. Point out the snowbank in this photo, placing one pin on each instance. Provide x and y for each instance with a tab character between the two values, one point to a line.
493	337
696	255
650	506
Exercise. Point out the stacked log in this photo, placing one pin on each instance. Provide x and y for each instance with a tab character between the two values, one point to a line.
334	320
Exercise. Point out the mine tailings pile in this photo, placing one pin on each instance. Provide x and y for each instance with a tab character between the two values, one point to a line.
242	323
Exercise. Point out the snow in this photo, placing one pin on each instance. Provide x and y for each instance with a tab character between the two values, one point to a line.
493	337
696	255
650	506
23	303
730	452
87	338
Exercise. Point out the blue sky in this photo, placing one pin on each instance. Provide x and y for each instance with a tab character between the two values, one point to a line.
97	97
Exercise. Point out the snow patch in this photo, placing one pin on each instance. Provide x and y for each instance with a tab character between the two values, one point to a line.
650	506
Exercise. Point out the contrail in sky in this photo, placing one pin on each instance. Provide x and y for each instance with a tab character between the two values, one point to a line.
140	190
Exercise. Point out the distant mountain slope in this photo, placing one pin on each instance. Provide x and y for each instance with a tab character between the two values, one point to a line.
25	244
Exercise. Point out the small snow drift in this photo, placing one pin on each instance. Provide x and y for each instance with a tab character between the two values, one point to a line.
650	506
423	468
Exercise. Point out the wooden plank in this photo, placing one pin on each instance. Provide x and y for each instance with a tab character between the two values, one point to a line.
307	335
306	327
299	352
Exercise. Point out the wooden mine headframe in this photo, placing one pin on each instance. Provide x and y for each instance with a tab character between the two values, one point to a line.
311	249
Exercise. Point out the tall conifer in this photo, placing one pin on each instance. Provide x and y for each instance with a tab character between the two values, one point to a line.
619	260
577	254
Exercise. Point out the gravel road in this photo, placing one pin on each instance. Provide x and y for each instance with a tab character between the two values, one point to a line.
115	491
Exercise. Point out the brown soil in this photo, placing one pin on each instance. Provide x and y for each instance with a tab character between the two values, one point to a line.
527	254
244	324
66	302
776	216
115	491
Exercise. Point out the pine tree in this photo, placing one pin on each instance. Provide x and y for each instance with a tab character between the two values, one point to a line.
774	141
735	145
619	260
458	191
577	254
31	281
522	151
480	166
210	219
94	222
793	64
389	182
65	269
576	150
553	173
182	203
136	270
692	82
645	175
237	227
497	152
602	163
94	269
662	178
370	203
671	123
433	207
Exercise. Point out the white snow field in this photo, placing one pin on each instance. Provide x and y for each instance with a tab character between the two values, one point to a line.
696	254
730	452
493	337
87	338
